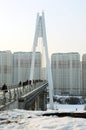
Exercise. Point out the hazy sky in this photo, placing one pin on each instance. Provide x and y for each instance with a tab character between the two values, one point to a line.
65	24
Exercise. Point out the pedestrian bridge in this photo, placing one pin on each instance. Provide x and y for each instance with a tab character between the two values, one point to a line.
29	97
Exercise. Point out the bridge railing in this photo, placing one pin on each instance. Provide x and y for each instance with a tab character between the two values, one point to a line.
13	94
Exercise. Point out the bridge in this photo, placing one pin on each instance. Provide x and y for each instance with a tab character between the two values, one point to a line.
24	96
36	99
28	97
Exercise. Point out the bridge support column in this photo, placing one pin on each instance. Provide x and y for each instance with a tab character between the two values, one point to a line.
37	103
43	101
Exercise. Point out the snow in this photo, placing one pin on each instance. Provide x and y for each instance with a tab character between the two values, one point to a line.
33	120
68	108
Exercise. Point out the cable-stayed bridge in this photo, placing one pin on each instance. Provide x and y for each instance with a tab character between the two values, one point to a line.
25	100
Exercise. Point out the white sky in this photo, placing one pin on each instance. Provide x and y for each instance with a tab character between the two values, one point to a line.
65	24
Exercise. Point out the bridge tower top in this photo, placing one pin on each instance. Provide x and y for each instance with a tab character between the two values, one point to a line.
41	32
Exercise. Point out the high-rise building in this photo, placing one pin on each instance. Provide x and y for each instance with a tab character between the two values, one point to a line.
22	66
66	73
84	75
6	65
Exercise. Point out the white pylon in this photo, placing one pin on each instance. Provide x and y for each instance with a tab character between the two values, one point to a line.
41	32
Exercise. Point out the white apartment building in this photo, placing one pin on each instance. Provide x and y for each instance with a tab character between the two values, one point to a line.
22	66
84	75
66	73
6	69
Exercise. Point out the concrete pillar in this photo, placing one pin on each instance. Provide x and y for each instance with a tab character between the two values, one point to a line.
37	103
43	101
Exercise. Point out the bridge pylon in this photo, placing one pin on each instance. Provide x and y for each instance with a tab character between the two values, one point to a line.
41	32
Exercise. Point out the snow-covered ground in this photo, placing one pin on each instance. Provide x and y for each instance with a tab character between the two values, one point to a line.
66	107
33	120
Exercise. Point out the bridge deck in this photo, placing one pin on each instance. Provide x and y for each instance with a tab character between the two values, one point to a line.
21	93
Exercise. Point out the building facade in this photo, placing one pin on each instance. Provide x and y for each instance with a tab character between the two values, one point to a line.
6	68
84	75
66	73
22	66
